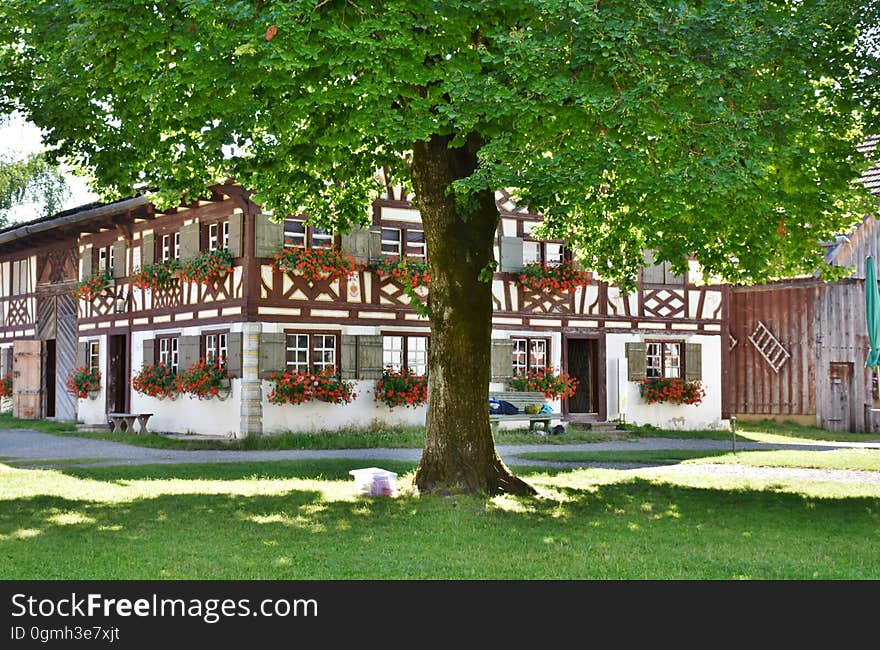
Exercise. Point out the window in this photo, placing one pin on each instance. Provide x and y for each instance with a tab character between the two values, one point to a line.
391	241
218	235
529	354
401	351
215	346
105	258
93	358
169	247
415	243
298	235
663	359
168	352
311	351
554	254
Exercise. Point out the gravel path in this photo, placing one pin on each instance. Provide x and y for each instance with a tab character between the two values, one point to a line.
25	446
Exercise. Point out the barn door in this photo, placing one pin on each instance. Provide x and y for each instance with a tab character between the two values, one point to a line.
26	370
840	412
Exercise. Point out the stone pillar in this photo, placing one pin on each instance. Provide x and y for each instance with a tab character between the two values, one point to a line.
251	389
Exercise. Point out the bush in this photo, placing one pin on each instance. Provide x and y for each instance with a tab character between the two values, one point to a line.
204	380
545	380
401	388
155	380
673	390
83	381
297	387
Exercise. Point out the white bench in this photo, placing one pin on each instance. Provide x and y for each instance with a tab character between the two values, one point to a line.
520	400
125	421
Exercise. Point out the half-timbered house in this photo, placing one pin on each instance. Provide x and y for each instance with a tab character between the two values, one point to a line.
262	319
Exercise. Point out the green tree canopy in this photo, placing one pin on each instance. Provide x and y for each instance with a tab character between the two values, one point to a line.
30	179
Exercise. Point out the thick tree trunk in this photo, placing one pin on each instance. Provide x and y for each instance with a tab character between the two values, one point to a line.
459	453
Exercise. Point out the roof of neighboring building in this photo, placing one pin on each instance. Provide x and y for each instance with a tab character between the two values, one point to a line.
871	178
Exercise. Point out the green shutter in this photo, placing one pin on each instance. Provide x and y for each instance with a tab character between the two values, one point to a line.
82	352
85	262
268	236
120	264
149	349
233	353
369	357
6	361
511	254
357	244
670	277
235	234
693	361
189	241
148	249
502	359
374	243
348	356
189	352
272	353
636	358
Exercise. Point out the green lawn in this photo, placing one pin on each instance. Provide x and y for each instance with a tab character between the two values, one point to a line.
300	520
763	431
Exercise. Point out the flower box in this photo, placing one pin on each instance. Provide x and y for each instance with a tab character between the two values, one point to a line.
545	380
553	278
84	383
673	391
317	264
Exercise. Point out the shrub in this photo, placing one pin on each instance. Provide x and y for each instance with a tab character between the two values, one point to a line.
298	386
83	381
93	286
6	386
674	391
554	278
316	264
155	380
156	276
204	380
401	388
546	381
208	267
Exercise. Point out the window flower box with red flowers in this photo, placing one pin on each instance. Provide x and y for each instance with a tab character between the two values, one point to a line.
94	286
204	380
317	264
155	380
156	276
6	386
84	383
414	273
402	388
553	278
544	380
300	386
208	267
673	391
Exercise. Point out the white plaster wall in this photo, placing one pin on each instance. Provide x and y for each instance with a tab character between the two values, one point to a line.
94	411
706	415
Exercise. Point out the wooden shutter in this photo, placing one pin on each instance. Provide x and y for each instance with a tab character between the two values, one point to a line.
369	357
652	273
148	250
511	254
272	353
693	361
120	266
268	236
149	349
82	354
85	260
357	244
233	353
502	359
236	233
189	241
6	361
348	356
636	358
188	352
374	243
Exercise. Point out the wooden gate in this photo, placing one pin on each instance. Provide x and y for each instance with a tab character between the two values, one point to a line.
26	370
840	415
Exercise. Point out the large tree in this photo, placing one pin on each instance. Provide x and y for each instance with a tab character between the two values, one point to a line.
726	130
30	178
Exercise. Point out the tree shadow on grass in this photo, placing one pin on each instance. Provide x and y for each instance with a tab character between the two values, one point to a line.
194	522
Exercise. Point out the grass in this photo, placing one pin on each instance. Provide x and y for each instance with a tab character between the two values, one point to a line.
622	456
762	431
300	520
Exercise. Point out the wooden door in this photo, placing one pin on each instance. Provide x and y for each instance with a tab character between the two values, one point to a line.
840	412
117	374
582	364
27	380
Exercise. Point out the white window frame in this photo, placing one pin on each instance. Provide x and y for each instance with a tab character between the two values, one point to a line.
293	344
395	243
322	344
93	356
168	352
660	357
292	239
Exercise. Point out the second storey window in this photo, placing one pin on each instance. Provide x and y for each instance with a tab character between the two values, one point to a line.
409	352
105	258
391	241
215	347
415	243
298	235
663	360
528	355
169	247
218	236
168	352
